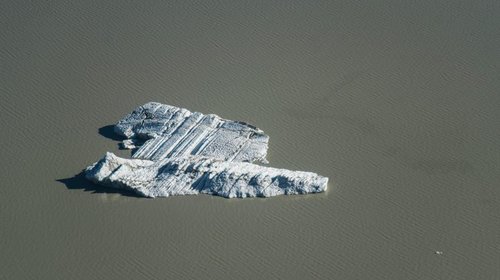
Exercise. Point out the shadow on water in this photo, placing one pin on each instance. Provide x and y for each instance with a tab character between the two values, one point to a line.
78	182
108	132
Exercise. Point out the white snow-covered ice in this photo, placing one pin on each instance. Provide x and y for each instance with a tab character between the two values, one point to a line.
175	132
179	152
197	174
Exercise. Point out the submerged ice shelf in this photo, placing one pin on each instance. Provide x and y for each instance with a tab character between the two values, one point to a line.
179	152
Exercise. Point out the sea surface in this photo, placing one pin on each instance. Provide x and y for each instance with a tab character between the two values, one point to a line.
397	102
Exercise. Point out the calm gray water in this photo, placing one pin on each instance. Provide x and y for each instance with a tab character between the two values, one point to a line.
396	101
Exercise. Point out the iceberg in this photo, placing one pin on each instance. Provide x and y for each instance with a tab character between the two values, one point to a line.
193	175
169	131
179	152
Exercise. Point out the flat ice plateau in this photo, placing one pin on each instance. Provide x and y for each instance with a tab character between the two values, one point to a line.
175	132
179	152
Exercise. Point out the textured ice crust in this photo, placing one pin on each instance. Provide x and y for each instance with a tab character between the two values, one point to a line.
175	132
196	174
179	152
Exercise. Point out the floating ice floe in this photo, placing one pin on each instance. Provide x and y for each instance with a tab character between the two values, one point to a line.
170	131
179	152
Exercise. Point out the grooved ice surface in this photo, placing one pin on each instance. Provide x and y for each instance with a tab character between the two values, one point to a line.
196	174
175	132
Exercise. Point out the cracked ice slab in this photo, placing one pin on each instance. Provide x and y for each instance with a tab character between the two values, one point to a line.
198	174
169	131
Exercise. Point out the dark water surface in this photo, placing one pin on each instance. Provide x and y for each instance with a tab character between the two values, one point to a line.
397	102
